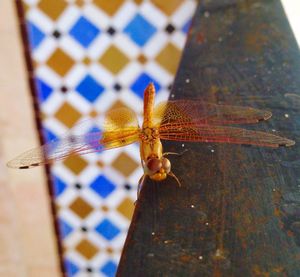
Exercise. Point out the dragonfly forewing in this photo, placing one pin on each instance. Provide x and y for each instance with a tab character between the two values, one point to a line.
120	128
201	112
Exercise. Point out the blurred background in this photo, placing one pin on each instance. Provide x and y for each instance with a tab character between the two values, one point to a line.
76	60
83	58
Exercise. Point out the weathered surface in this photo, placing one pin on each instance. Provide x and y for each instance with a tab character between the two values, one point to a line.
238	210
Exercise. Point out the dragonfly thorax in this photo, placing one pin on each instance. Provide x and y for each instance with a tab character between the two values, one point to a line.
149	134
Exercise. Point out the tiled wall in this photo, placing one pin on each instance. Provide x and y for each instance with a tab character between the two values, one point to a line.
89	57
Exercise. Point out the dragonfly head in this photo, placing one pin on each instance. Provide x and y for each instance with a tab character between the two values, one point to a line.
158	169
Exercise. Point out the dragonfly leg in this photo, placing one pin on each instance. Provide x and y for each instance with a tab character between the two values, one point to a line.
175	153
175	177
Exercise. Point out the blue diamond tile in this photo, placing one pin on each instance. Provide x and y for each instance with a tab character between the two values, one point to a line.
65	228
58	186
140	30
109	269
92	138
35	35
89	88
186	26
44	90
102	186
84	32
141	83
48	135
70	268
107	229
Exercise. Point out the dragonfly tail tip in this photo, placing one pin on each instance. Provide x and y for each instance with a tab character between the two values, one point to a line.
287	144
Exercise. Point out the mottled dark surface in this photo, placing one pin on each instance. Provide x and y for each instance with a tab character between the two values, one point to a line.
238	210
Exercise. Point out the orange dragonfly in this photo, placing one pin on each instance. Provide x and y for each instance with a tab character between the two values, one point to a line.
178	120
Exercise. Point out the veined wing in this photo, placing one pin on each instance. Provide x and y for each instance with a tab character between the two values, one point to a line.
223	134
120	128
201	112
60	149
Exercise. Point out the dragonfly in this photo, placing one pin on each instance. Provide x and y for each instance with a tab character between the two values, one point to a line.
175	120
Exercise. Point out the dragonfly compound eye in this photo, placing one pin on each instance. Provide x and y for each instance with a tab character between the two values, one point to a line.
166	165
154	165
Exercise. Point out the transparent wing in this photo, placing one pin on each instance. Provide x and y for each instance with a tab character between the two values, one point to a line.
200	112
223	134
120	128
120	118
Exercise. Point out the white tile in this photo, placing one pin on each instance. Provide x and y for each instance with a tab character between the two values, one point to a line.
178	39
79	102
153	15
103	103
183	14
72	48
89	175
68	18
93	198
132	100
102	75
99	46
96	16
56	99
43	22
31	2
75	75
43	52
129	74
124	15
56	127
155	45
127	46
159	74
48	75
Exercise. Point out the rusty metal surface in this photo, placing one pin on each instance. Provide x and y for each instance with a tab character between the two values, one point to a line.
238	210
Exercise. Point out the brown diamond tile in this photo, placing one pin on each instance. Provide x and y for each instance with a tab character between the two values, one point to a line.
104	208
169	58
100	164
126	208
64	249
168	7
60	62
142	59
57	207
52	8
114	60
109	6
80	3
34	63
125	164
87	61
75	163
81	208
26	7
93	114
42	116
109	250
87	249
67	114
